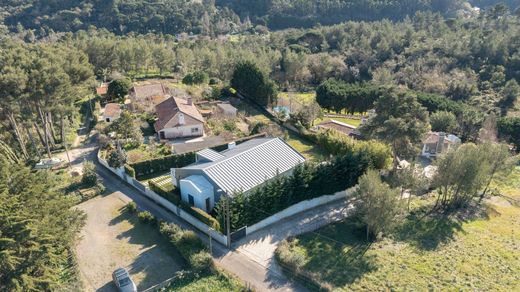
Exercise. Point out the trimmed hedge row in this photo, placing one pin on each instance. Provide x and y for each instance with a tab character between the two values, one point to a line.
201	215
189	246
167	191
129	170
163	163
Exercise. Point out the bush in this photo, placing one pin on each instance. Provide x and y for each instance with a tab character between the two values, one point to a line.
170	231
163	163
131	207
89	177
291	260
167	191
146	217
116	159
201	262
202	216
129	170
197	77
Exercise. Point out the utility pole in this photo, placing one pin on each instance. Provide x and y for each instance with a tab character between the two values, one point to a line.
228	223
210	246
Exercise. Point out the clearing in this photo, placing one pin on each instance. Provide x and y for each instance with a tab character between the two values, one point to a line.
113	238
481	254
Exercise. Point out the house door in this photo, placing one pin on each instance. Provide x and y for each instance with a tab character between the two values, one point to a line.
161	135
191	201
208	205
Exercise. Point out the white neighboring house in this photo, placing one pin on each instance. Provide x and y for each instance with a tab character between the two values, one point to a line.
177	118
437	143
240	168
111	112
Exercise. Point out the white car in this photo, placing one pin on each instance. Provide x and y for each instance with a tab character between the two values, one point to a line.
48	163
122	281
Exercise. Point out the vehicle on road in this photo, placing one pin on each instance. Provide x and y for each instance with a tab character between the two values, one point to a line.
123	281
48	163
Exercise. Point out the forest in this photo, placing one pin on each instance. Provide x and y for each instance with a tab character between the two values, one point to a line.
210	17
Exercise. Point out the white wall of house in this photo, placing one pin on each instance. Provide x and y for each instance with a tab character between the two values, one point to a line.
199	191
183	131
109	119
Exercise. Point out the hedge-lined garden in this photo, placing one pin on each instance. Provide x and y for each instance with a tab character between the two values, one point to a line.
309	180
163	164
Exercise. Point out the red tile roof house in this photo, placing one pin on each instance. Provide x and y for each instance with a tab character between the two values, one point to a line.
177	118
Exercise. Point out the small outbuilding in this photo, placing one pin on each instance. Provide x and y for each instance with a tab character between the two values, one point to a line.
112	112
227	110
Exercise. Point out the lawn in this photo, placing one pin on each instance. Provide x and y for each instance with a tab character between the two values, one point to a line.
191	282
301	97
307	149
443	254
353	122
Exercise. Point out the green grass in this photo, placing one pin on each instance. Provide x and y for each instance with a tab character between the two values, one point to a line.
434	254
301	97
307	149
216	282
353	122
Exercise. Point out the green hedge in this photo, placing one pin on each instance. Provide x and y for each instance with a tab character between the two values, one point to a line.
129	170
163	163
167	191
189	245
202	216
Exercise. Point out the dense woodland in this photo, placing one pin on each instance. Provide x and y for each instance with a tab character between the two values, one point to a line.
210	17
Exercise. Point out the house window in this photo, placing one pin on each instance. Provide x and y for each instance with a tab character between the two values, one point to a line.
194	130
191	200
108	120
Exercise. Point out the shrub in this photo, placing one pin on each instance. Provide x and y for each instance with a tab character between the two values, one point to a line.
171	231
163	163
201	261
131	207
146	217
197	77
292	260
116	159
89	177
166	191
201	215
129	170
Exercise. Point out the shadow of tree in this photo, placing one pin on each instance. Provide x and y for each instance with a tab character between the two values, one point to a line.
429	232
338	253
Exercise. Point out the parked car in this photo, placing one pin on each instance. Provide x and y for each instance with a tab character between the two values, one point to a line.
48	163
123	281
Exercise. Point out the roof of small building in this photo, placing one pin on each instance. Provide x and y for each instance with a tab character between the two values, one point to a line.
102	89
210	155
226	107
112	110
339	126
199	182
433	138
249	164
168	109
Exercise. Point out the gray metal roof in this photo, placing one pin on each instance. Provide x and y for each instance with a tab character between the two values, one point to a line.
250	164
210	155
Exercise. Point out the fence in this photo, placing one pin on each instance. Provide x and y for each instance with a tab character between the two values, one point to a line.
297	208
165	203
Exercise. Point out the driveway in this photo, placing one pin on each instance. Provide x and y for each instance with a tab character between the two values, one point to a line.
113	238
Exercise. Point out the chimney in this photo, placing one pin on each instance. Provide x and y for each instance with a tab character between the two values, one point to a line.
190	101
440	143
231	145
181	119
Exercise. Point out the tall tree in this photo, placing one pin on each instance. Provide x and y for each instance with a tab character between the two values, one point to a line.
249	80
400	120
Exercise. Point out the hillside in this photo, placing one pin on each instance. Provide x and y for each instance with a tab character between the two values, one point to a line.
211	17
